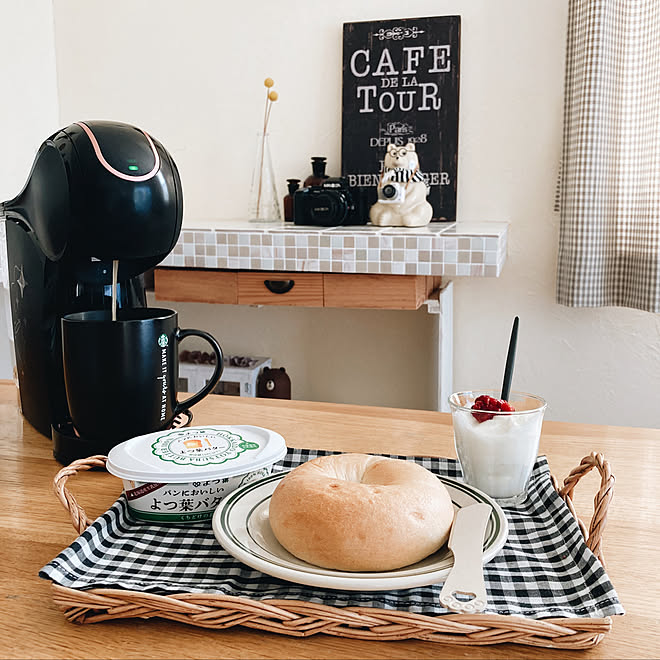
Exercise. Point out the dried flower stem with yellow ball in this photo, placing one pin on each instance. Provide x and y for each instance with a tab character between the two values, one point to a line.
271	97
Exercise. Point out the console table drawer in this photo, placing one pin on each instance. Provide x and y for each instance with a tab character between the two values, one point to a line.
206	286
349	290
279	288
361	290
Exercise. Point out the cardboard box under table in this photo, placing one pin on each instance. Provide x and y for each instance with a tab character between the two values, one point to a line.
235	380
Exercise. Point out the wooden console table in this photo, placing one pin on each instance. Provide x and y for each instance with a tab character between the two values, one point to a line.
363	267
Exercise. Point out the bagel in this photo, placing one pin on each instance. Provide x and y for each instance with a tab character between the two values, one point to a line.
356	512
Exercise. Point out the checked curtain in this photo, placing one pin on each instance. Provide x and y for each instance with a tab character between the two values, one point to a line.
609	196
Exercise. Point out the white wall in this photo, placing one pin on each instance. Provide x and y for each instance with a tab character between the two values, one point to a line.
191	73
593	365
29	111
352	356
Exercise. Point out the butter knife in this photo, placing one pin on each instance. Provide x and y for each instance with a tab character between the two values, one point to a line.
464	589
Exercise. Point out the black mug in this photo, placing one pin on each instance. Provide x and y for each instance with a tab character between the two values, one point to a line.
121	376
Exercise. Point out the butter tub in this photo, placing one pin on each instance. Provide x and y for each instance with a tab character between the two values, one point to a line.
181	475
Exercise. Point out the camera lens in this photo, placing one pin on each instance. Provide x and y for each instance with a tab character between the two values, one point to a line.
328	209
389	191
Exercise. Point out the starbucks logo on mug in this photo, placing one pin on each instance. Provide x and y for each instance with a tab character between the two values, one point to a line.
163	341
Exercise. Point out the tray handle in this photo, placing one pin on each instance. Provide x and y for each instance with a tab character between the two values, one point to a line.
79	518
594	534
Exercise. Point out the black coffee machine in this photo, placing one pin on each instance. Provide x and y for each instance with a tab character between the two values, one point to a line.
98	192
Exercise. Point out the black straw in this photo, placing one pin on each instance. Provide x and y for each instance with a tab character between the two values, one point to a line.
510	359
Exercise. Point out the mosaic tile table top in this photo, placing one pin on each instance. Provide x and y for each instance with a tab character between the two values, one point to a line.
463	249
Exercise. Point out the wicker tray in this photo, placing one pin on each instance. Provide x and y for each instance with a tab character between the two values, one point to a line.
303	619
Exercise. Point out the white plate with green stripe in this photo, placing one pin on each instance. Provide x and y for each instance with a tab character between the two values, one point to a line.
240	523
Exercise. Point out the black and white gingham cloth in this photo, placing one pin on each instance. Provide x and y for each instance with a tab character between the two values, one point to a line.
544	570
609	240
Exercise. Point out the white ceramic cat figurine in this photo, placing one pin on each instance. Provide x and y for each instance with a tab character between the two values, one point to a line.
401	191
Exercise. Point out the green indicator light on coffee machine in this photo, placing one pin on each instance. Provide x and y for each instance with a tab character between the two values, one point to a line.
133	168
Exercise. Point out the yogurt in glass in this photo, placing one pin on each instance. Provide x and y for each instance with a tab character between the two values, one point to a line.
497	455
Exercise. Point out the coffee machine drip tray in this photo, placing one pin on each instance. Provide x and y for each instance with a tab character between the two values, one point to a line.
68	446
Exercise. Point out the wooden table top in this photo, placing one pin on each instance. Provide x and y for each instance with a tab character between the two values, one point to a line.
34	528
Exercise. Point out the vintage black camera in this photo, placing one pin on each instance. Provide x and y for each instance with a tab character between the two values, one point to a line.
332	203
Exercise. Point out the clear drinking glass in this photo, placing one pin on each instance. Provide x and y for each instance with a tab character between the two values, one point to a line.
497	450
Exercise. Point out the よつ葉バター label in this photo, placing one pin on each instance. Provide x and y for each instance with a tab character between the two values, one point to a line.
200	446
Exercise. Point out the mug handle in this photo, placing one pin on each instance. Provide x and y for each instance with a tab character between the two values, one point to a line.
215	378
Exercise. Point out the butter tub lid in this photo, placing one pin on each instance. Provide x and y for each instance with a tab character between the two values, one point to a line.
196	453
